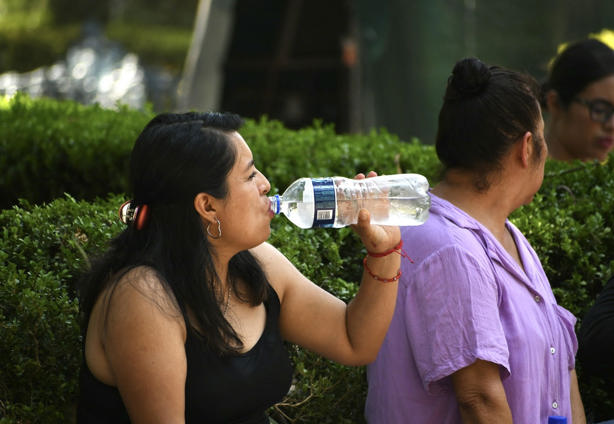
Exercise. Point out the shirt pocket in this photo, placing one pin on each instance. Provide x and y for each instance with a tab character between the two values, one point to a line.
567	322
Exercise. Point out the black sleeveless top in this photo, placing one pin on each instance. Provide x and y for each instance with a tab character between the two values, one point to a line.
231	390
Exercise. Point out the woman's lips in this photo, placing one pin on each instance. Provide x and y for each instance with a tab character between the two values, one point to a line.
269	208
605	142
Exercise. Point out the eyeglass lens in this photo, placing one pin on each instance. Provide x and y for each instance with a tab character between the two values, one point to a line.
601	110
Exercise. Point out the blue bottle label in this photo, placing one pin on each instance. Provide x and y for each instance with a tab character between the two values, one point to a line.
324	199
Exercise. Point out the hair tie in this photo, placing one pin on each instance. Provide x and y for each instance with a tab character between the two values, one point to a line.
134	215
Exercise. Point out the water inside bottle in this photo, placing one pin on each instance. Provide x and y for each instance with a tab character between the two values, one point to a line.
384	211
297	204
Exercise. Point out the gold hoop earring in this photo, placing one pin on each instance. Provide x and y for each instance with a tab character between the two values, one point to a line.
219	229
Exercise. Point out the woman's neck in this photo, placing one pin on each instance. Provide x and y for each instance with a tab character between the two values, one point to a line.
553	134
490	207
221	268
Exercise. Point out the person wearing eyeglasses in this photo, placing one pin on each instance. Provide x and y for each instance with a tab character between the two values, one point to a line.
579	99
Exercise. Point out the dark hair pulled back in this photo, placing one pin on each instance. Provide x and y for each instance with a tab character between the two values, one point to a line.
485	110
469	78
175	157
578	65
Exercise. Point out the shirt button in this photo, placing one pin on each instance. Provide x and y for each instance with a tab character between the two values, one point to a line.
538	299
555	405
552	350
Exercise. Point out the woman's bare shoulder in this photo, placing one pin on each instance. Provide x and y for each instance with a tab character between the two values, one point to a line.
144	285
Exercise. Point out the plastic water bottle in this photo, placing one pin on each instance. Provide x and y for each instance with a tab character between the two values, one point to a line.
557	419
334	202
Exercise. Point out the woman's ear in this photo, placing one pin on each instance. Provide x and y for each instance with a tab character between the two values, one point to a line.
522	150
553	102
526	149
204	204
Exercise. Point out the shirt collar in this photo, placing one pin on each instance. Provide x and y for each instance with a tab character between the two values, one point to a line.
493	248
453	213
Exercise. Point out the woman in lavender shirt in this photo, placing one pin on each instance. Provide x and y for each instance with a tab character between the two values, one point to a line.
477	335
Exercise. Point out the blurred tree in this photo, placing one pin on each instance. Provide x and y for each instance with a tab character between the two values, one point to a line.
156	12
202	80
15	14
70	11
35	33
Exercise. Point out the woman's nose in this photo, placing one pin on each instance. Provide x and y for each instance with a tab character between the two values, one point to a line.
266	186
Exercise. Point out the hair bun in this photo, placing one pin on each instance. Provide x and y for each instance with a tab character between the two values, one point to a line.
469	78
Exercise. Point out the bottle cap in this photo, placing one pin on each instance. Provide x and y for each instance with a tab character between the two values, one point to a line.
275	203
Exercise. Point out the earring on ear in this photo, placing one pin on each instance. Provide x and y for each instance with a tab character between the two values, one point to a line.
219	229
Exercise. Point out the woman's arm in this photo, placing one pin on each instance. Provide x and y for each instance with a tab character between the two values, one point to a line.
315	319
143	342
480	394
577	408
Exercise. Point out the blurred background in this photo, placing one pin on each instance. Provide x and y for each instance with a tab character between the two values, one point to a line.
356	64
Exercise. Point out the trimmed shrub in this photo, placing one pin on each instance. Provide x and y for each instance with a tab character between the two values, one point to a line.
50	147
42	250
284	155
44	247
569	224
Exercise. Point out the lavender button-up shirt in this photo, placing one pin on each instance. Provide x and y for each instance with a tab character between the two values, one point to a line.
464	298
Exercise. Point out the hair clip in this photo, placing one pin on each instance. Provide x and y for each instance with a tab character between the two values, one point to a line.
131	215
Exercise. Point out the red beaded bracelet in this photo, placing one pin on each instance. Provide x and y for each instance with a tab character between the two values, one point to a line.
377	277
387	252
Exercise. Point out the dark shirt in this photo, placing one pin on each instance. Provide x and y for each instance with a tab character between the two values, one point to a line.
596	336
596	354
230	390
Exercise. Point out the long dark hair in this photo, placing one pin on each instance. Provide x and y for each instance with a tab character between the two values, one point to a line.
175	157
485	110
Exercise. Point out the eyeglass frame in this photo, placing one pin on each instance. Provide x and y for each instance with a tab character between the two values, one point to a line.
594	114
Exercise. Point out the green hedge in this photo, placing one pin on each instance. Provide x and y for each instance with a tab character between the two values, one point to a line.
569	223
44	247
50	147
